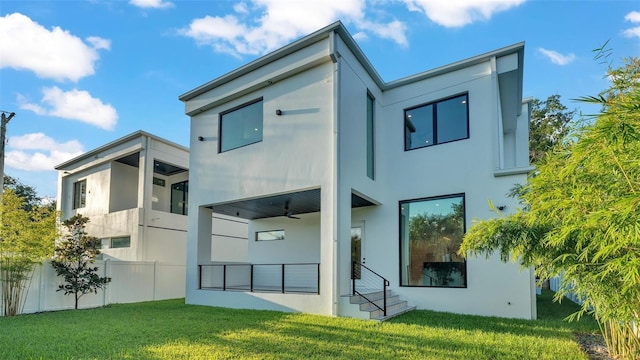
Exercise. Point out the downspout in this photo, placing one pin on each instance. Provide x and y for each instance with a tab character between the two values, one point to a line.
336	168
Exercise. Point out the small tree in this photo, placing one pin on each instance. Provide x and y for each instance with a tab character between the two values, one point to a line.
550	124
73	257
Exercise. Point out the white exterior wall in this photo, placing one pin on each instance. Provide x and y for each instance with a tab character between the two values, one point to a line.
300	151
121	199
123	190
229	242
296	153
464	166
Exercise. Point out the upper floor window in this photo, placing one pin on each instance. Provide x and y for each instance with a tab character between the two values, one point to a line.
437	122
241	126
180	198
370	137
79	194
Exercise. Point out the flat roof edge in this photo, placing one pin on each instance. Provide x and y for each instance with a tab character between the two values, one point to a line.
116	142
262	61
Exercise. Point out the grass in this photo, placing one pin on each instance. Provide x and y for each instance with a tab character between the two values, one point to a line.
172	330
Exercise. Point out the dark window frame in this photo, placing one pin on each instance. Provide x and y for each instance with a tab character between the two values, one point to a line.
185	198
434	120
371	136
464	231
118	238
236	108
80	194
270	231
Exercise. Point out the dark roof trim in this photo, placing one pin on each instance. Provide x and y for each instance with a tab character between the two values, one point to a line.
122	140
340	29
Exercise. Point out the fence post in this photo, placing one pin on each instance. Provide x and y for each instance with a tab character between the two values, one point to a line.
353	278
251	280
40	292
155	280
283	278
107	273
224	277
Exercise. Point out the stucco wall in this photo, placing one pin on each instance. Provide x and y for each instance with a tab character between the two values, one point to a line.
465	166
296	153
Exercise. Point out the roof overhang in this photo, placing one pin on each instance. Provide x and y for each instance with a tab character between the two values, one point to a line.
296	203
339	29
98	152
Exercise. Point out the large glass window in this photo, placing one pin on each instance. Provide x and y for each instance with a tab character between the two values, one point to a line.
180	198
241	126
79	194
436	123
431	232
370	135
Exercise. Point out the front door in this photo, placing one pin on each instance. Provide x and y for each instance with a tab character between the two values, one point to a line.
356	250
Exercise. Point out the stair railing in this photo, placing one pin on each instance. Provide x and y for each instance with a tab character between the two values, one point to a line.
365	281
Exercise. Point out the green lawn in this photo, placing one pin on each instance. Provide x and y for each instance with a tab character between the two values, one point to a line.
172	330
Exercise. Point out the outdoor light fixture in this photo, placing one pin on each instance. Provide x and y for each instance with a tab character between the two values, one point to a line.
501	207
200	138
278	112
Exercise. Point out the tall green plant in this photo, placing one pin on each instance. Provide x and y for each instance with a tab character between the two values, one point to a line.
550	123
73	260
26	239
583	217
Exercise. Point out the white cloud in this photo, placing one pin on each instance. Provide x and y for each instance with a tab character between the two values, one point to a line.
151	4
280	21
633	17
99	43
458	13
74	105
54	54
556	57
39	152
241	8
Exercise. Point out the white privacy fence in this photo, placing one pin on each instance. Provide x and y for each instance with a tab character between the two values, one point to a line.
131	281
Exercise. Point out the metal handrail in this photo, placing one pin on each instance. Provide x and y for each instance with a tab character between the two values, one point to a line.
248	283
385	284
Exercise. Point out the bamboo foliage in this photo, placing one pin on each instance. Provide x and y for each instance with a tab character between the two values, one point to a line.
26	239
582	215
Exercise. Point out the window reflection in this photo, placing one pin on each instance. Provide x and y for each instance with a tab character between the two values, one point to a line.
240	127
431	234
436	123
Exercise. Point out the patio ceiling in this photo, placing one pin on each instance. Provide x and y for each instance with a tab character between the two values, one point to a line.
159	167
301	202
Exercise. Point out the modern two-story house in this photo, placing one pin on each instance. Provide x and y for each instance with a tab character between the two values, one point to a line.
355	187
135	192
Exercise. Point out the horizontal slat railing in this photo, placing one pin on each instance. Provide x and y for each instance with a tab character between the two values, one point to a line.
284	278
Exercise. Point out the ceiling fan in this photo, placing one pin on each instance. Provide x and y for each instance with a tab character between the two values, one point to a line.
288	214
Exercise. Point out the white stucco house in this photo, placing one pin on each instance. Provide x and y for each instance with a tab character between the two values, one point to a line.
351	185
135	192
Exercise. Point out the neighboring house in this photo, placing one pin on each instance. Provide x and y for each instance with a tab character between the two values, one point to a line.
344	177
135	192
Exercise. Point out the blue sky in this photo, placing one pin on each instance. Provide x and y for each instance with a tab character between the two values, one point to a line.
79	74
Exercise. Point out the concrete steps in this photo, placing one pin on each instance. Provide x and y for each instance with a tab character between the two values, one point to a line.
395	306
